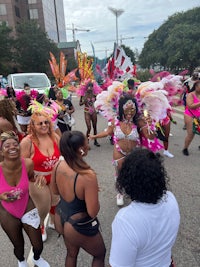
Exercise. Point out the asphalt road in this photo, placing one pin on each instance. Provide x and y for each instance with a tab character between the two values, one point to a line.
184	182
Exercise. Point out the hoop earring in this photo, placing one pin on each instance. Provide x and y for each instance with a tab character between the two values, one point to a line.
82	152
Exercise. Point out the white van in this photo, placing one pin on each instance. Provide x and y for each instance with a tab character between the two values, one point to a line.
37	81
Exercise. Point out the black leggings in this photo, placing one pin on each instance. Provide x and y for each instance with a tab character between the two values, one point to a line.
13	228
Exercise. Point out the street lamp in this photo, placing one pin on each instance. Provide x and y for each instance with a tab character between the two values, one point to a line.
117	13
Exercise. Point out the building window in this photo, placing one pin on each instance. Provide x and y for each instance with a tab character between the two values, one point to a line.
33	13
32	1
17	12
3	9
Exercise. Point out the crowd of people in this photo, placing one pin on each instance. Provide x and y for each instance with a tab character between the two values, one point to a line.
43	172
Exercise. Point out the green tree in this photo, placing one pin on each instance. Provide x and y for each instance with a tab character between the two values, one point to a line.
175	44
6	55
32	48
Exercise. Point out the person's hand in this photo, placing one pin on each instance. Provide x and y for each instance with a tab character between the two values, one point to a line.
173	121
9	196
40	180
91	137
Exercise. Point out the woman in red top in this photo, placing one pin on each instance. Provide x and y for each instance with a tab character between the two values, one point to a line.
41	145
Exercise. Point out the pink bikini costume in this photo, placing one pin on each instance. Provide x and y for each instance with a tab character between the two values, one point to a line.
18	207
119	135
193	112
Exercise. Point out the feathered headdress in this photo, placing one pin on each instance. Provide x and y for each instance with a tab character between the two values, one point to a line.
85	66
83	87
107	101
25	99
51	110
172	84
59	71
152	98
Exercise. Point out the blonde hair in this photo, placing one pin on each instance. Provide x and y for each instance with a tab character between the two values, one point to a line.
8	135
32	130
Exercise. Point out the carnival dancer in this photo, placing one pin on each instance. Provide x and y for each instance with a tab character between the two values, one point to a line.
23	101
88	94
192	111
17	210
41	145
125	122
157	97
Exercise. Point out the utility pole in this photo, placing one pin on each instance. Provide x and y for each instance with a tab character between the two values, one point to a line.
117	13
73	29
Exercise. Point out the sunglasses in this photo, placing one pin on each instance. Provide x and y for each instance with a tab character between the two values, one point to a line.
43	122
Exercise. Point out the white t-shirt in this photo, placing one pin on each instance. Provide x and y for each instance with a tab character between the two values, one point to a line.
144	234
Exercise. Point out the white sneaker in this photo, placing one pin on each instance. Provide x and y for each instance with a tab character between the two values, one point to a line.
41	262
168	154
120	200
22	263
51	225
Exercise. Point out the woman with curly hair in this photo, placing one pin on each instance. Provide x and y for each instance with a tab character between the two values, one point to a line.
144	232
76	214
41	145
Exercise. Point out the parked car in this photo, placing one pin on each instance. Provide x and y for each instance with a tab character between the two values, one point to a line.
37	81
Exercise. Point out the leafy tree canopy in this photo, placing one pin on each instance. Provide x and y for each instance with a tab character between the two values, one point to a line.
5	47
32	47
175	44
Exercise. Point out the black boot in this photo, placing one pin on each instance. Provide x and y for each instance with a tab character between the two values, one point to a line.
96	143
185	152
111	140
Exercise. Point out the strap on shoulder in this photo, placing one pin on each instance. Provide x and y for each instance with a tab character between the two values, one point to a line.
75	179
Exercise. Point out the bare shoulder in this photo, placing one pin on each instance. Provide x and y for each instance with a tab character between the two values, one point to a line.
25	141
62	169
57	138
90	176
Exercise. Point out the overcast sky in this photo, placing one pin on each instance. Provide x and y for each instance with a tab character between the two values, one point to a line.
139	19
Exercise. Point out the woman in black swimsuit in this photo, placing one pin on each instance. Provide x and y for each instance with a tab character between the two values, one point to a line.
76	183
